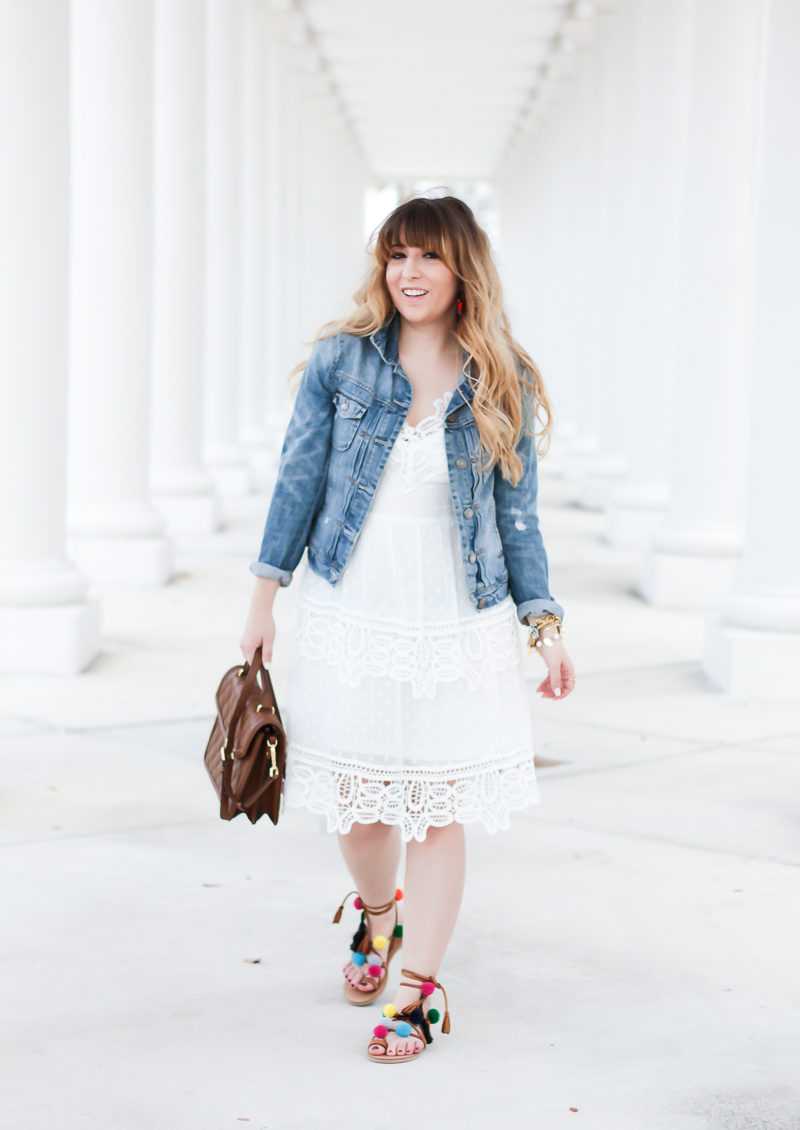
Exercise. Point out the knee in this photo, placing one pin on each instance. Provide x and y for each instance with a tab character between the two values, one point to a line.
368	835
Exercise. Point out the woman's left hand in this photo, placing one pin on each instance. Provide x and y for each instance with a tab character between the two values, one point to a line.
560	678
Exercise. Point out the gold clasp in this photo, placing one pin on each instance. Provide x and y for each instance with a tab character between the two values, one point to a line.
272	745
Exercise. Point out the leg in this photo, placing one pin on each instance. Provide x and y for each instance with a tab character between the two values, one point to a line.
434	884
372	855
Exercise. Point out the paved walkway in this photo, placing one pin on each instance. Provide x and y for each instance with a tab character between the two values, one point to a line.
628	949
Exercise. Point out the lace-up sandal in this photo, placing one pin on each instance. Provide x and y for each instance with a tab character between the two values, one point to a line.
373	955
413	1020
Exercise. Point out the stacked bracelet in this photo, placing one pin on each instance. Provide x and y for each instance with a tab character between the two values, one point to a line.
536	639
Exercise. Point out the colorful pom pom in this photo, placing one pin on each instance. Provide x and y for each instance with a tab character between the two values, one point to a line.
398	894
381	943
417	1016
380	1030
398	930
375	970
433	1015
426	988
358	904
402	1029
357	958
390	1010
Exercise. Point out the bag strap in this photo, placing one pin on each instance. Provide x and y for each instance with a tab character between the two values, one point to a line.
249	670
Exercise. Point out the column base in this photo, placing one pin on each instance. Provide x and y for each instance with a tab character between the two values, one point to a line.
682	580
751	664
188	514
55	639
123	561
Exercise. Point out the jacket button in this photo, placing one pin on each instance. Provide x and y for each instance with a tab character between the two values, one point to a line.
461	462
469	512
481	604
473	557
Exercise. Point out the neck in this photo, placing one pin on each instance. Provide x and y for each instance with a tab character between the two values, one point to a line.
438	338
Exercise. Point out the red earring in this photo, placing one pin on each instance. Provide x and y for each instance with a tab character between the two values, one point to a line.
460	306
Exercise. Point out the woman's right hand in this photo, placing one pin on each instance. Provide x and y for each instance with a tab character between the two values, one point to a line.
259	627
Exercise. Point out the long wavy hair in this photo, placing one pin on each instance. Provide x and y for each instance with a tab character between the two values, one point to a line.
500	370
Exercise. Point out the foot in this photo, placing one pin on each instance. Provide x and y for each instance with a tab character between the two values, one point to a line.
376	925
397	1046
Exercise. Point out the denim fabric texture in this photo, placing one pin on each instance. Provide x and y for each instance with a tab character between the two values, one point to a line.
352	402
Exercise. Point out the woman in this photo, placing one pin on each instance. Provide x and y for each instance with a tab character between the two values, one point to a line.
409	472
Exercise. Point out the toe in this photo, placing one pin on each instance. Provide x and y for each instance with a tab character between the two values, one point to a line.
376	1049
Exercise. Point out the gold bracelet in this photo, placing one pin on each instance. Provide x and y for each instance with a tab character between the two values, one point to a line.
536	639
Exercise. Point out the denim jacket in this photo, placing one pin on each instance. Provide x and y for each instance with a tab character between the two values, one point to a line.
350	407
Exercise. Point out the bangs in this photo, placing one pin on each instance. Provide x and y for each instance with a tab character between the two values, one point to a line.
418	223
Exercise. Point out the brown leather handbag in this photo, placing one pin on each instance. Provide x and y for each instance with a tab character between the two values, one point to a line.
246	753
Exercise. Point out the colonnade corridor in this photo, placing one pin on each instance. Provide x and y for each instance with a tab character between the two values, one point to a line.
189	187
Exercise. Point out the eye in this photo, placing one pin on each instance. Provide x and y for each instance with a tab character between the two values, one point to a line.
431	254
398	255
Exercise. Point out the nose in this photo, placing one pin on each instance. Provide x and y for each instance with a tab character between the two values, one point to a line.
411	266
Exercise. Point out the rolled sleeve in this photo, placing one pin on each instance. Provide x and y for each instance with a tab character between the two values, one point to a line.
271	572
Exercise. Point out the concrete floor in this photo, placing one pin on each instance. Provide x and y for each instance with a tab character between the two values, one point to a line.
628	949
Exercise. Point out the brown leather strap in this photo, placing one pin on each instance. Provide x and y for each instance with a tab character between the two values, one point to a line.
419	979
374	910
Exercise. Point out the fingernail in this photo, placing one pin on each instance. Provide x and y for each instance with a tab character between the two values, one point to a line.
557	692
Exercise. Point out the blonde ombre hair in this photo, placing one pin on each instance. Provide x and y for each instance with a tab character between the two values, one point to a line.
499	367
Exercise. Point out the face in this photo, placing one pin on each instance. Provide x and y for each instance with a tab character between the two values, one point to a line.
422	288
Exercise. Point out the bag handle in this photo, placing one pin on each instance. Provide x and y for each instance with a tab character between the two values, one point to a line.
249	670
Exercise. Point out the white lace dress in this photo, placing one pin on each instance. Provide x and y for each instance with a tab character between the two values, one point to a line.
405	704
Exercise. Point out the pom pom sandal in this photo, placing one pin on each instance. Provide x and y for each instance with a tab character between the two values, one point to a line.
412	1020
373	955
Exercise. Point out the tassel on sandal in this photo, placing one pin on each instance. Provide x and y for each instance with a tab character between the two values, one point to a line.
373	955
412	1020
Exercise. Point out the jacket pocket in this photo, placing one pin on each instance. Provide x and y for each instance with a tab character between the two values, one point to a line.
349	413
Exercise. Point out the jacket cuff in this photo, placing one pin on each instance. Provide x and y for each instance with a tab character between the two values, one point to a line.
261	569
538	608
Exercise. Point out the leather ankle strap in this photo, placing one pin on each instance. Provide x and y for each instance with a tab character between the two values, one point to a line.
374	910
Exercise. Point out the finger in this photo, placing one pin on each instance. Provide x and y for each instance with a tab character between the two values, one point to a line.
555	681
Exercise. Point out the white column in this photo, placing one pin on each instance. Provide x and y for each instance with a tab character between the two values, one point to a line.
278	404
117	535
639	504
255	251
753	647
616	180
182	489
694	555
46	623
224	452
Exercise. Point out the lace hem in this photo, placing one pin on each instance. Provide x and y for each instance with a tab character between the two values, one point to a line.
422	655
415	798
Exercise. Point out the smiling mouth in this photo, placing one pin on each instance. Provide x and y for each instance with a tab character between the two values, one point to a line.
412	292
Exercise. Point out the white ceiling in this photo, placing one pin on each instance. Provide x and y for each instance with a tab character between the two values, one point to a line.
433	88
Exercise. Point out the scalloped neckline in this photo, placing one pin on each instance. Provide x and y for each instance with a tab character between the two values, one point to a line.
435	417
